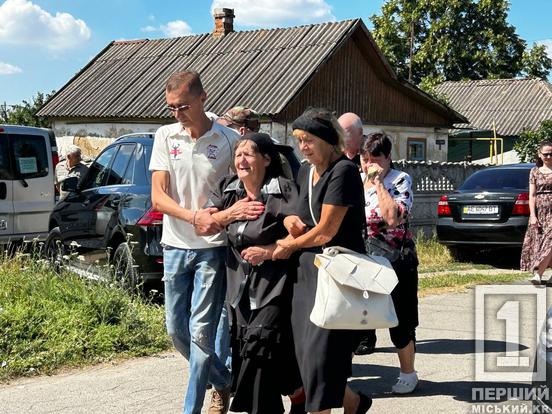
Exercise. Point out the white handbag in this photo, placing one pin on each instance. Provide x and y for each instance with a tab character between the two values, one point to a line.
353	289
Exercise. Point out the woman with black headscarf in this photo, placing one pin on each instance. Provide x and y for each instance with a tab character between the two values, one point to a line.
253	204
330	212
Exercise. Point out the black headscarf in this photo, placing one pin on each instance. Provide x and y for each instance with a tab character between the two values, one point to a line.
314	122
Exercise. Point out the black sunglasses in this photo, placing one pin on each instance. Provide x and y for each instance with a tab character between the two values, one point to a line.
180	108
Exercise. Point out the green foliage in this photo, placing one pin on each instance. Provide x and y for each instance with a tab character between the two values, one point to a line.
453	40
25	113
48	321
428	85
462	281
536	62
528	143
432	254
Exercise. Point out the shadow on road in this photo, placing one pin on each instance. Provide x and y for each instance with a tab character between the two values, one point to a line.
461	346
455	346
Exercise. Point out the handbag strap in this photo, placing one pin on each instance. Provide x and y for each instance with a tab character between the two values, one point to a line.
311	174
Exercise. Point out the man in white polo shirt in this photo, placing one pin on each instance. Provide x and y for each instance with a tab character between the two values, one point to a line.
188	158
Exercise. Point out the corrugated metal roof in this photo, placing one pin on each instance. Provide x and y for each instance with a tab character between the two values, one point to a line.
261	69
513	104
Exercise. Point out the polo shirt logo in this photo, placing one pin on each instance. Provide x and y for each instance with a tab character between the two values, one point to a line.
212	152
175	151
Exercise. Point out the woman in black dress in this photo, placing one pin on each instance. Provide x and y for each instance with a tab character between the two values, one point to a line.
253	205
324	355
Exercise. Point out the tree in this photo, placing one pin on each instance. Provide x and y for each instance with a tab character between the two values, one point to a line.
452	40
536	62
25	113
528	143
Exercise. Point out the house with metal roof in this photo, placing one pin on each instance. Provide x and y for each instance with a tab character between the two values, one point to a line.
277	72
505	107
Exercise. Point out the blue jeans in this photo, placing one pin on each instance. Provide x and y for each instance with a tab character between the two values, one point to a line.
222	341
195	286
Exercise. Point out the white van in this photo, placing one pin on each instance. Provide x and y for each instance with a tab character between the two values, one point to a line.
28	157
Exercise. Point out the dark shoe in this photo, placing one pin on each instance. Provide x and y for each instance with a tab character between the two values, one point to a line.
364	404
363	349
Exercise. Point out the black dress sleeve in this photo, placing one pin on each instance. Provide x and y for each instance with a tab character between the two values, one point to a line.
217	197
344	186
288	204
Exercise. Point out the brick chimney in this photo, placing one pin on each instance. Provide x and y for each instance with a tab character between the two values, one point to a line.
224	22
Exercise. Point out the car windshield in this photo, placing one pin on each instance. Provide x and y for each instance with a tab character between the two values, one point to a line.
498	179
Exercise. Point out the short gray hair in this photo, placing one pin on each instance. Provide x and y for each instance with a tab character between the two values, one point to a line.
73	149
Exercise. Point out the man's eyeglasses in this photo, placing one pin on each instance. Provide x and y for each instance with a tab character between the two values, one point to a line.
180	108
546	154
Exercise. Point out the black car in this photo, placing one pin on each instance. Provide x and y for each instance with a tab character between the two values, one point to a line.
107	219
491	209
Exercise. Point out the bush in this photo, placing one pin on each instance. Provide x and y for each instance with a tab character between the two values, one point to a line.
50	320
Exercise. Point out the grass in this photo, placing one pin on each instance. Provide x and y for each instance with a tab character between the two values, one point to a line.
49	321
435	257
453	267
449	283
432	255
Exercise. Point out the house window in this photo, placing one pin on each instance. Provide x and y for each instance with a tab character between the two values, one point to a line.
416	149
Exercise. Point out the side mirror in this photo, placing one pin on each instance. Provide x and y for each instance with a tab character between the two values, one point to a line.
70	184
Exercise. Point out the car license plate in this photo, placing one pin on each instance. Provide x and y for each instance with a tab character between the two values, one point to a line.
480	209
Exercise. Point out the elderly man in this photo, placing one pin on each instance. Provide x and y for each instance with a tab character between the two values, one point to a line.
352	124
72	166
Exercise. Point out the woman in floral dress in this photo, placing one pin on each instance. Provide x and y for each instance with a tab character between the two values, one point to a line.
537	247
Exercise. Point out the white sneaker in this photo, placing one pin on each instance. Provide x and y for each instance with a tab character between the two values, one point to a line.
405	387
536	279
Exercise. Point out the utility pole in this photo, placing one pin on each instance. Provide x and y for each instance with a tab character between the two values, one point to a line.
411	49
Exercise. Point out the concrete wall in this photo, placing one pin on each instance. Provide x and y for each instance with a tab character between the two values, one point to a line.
93	137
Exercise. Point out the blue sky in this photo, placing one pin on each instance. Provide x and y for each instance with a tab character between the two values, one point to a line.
43	43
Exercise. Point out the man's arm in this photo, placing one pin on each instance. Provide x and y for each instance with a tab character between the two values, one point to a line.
202	221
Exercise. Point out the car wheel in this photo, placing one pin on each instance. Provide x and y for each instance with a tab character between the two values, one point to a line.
54	249
125	272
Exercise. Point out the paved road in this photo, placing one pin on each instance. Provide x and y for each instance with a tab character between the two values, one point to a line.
445	363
